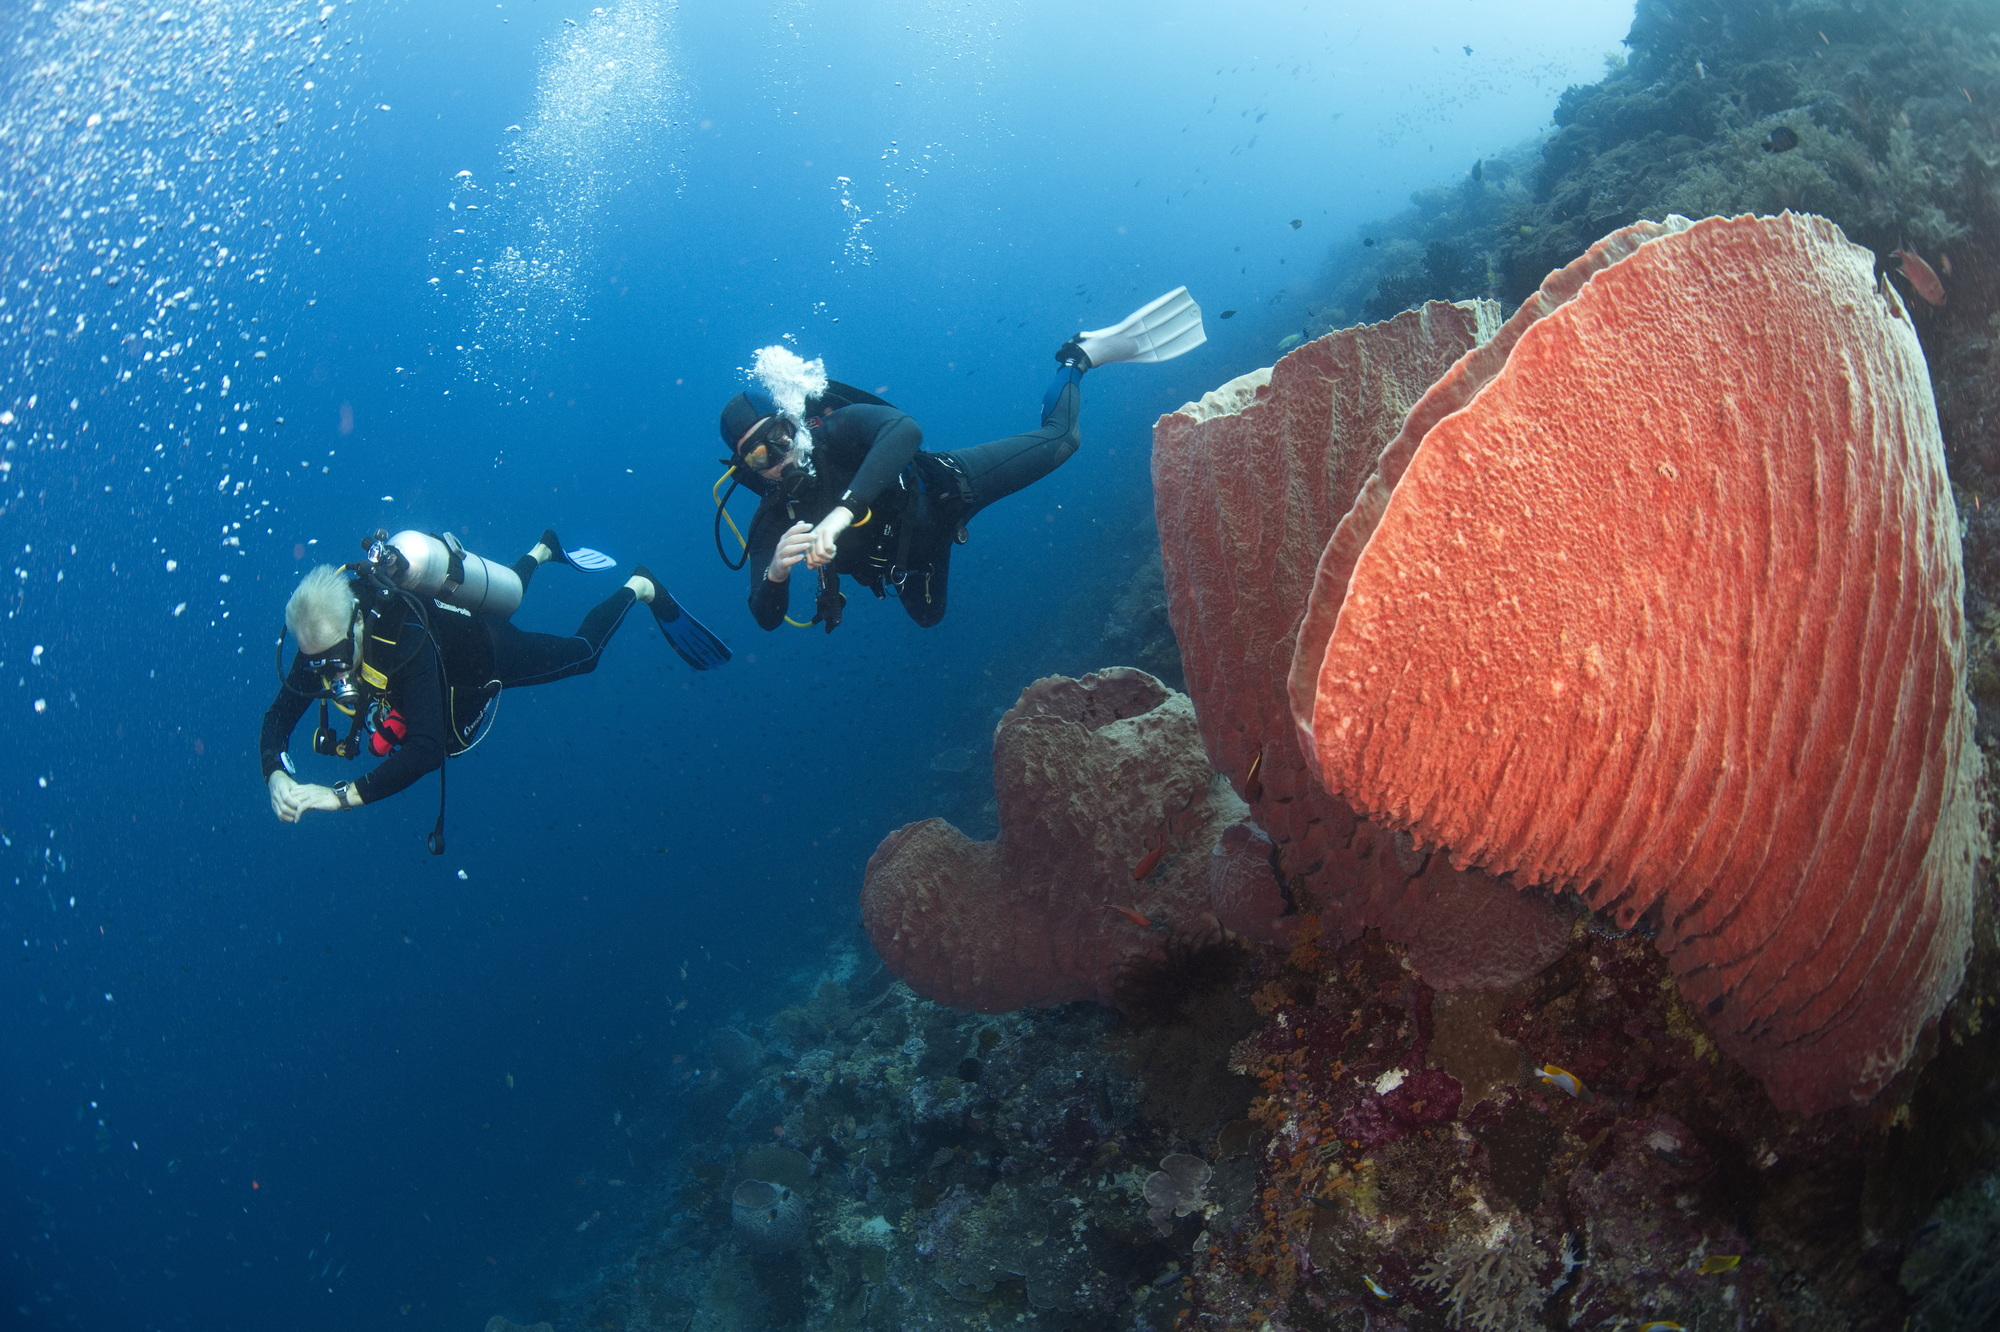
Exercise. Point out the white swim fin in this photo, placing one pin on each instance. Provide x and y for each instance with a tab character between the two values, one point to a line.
1157	331
576	557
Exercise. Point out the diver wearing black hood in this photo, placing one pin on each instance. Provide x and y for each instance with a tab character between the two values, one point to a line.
890	512
866	500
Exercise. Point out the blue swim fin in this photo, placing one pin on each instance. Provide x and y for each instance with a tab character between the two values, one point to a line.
690	637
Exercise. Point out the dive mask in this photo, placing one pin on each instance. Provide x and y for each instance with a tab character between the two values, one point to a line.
765	444
334	664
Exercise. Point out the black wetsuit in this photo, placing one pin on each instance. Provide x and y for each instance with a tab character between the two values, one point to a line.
483	654
908	505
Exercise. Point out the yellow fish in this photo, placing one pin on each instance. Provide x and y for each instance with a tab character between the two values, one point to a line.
1721	1262
1377	1290
1568	1082
1662	1325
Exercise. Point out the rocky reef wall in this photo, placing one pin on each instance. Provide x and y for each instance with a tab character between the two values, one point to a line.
1564	1146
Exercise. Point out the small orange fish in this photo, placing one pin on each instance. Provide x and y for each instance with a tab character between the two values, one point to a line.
1923	279
1133	914
1560	1078
1151	860
1253	781
1720	1262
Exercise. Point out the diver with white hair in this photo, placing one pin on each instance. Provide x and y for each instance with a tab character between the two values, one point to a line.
413	645
845	486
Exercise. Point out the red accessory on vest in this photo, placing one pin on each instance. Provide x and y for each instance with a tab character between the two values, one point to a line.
388	734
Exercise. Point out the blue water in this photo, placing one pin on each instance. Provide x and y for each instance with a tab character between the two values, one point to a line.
308	1076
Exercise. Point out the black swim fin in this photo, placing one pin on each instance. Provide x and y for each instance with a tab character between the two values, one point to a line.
690	637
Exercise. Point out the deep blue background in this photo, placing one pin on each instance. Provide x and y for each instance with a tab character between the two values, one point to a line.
226	1039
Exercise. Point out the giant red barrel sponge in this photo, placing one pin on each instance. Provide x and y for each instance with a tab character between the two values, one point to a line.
1658	598
1248	485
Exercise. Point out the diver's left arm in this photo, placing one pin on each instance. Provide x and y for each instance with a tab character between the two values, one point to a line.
419	697
299	797
420	700
893	441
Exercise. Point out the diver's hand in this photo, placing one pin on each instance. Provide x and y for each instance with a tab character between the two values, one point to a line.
792	548
282	786
310	796
826	534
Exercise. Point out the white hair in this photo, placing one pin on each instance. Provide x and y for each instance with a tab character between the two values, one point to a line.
321	608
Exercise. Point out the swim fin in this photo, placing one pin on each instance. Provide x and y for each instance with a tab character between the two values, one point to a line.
583	557
690	637
1157	331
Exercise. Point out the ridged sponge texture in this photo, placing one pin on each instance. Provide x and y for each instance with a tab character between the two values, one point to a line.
1658	597
1248	485
1108	810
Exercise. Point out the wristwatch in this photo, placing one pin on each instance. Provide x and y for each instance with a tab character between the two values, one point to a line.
340	794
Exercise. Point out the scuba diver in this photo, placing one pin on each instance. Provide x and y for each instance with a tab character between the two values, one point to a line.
844	485
413	645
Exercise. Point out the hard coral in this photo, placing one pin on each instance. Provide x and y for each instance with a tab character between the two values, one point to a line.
1108	808
1178	1187
1490	1280
1684	632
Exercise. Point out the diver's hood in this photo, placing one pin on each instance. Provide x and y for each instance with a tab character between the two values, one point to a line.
743	411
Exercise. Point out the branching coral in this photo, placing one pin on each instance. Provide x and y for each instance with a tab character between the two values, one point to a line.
1490	1279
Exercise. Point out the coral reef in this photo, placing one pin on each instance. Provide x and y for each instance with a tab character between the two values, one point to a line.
1387	1114
1384	1192
1635	737
1953	1270
966	1171
1109	815
1382	1157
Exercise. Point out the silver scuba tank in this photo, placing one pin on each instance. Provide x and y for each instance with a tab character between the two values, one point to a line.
440	567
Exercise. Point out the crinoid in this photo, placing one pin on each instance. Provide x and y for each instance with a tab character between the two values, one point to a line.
1194	962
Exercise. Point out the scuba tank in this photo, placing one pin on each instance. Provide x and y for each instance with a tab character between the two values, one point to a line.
441	568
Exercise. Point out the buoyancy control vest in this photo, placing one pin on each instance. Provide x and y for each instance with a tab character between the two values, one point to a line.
391	625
